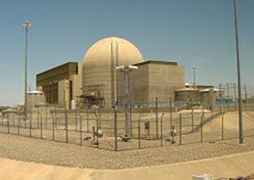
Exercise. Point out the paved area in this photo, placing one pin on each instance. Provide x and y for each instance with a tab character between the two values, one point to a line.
227	166
48	152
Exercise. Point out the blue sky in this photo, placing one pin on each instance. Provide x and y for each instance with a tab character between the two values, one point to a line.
193	32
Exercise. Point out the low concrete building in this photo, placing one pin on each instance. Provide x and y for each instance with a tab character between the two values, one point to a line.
35	98
201	94
60	84
187	94
156	79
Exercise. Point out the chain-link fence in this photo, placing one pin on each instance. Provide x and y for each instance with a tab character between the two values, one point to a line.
135	126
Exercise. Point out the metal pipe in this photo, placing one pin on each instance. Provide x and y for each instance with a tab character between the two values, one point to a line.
115	129
80	127
180	129
139	130
156	118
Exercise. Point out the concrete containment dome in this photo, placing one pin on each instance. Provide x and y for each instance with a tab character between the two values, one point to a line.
99	62
100	52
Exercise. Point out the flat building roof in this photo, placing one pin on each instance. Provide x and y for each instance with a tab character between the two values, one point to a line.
58	67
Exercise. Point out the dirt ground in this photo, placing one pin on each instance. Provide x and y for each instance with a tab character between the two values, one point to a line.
49	152
230	166
73	155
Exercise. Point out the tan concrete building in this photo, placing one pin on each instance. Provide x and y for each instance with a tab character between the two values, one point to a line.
96	80
35	98
60	84
156	79
100	78
199	94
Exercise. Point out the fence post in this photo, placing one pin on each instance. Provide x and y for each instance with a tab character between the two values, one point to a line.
156	118
180	129
87	120
38	114
55	118
222	126
8	125
14	121
139	131
93	132
97	128
161	128
171	113
130	118
46	118
201	127
25	121
192	118
235	97
76	119
41	126
115	128
53	126
80	128
30	125
66	126
19	125
2	120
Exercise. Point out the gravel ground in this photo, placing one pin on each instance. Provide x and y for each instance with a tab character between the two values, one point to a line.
48	152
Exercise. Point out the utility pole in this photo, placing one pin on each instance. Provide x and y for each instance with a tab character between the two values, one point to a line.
235	6
27	25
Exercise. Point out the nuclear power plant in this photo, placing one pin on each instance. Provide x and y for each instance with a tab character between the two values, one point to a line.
113	71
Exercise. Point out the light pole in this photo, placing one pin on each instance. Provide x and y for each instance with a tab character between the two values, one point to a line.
238	71
126	69
27	25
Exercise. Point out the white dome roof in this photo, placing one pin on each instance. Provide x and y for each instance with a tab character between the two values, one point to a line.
100	52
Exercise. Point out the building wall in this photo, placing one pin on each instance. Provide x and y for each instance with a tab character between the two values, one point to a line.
164	79
156	79
96	79
152	79
35	99
56	84
64	92
61	93
208	99
139	83
188	96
